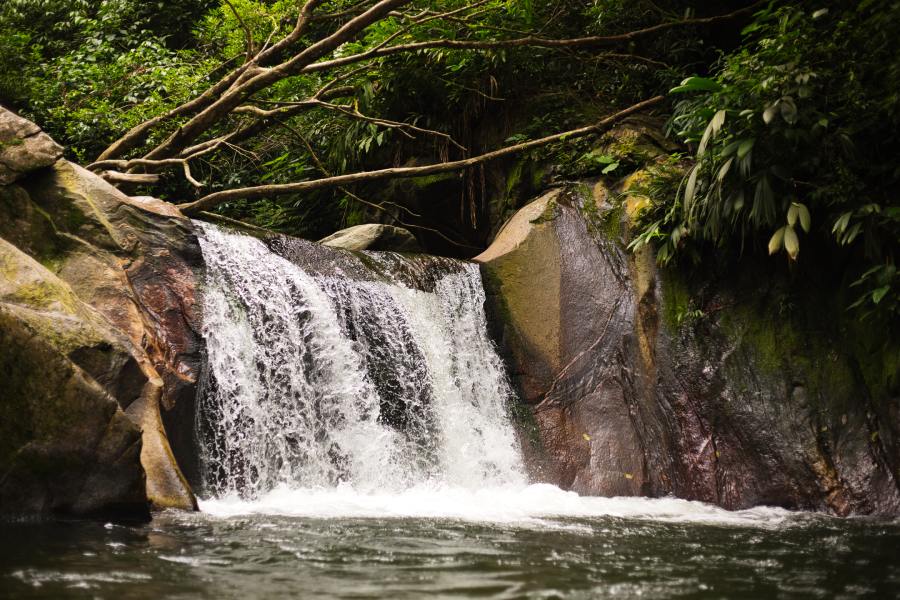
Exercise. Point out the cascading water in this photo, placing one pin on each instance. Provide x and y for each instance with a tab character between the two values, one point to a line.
319	380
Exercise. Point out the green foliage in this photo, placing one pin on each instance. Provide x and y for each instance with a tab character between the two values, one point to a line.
87	71
795	140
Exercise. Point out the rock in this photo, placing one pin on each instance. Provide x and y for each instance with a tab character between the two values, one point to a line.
23	147
147	284
373	236
66	447
130	269
630	396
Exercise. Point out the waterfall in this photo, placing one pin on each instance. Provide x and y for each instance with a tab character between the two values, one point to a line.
329	368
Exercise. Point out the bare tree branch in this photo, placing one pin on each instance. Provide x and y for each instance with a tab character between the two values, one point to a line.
263	78
238	86
264	191
378	207
248	34
527	41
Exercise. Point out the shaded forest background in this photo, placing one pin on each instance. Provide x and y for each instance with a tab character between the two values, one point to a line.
783	120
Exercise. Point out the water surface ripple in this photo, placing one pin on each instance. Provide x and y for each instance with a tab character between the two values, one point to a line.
183	555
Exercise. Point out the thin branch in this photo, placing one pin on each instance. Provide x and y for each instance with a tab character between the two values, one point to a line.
130	178
211	115
528	41
248	35
378	207
140	162
321	166
404	128
264	191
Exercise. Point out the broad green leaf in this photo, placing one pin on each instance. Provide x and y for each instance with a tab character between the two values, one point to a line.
723	171
745	147
880	293
770	112
691	187
697	84
610	168
841	224
715	124
805	218
776	241
791	243
788	110
851	234
730	148
866	275
792	214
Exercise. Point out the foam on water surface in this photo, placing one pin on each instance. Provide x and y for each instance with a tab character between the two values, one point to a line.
536	504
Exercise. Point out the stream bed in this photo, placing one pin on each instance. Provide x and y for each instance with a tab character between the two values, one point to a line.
639	549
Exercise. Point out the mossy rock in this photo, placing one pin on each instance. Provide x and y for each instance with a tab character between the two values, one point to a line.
65	445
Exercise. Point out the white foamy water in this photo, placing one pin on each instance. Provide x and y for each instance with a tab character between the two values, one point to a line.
322	380
536	504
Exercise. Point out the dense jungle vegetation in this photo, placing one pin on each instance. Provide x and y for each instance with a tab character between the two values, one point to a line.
300	116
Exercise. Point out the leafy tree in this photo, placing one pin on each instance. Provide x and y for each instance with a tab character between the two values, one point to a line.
796	145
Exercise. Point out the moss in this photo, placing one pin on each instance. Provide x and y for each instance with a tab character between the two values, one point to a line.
787	352
8	267
538	176
523	417
429	180
611	222
514	177
11	143
676	298
82	210
550	213
45	294
492	281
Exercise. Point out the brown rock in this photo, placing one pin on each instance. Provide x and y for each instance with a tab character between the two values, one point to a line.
630	397
23	147
65	445
135	264
373	236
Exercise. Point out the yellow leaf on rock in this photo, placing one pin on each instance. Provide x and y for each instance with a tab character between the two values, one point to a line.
586	437
629	476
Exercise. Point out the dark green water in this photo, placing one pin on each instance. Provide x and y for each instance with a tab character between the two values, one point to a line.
199	556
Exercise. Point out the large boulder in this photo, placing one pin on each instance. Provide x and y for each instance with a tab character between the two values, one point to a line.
640	383
373	236
131	268
23	147
66	446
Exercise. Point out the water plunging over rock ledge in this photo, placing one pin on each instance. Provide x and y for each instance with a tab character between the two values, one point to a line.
329	367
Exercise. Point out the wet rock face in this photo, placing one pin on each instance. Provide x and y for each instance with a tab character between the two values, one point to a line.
109	283
634	393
